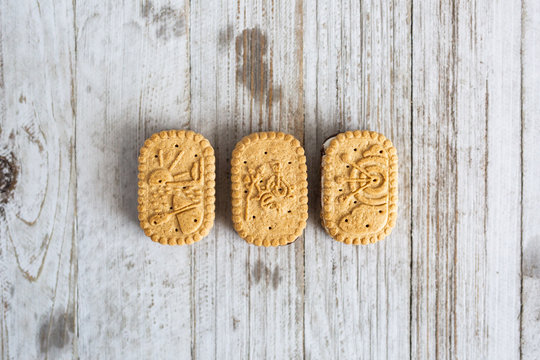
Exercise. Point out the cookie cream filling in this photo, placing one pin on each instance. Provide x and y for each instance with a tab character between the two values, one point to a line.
327	142
325	146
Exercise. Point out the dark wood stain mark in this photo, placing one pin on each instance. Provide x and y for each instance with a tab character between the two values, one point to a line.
531	258
147	9
235	322
260	270
257	271
276	278
56	332
22	99
161	31
169	22
8	177
225	36
179	27
252	69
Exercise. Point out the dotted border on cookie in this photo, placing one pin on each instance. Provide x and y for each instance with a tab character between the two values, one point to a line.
327	209
209	186
237	192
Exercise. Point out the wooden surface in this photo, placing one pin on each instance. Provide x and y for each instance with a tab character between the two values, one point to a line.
455	85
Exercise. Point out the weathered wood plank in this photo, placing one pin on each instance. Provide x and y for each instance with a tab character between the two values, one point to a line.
466	156
503	235
357	58
209	257
246	76
434	181
530	266
38	250
132	80
80	90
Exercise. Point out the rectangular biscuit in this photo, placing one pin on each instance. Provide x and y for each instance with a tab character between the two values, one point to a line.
269	188
176	187
359	187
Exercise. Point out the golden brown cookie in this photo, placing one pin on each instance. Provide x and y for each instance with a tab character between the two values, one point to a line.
176	187
269	188
359	187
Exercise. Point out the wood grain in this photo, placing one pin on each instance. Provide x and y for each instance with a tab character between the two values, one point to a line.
530	265
246	76
38	243
453	84
358	77
132	81
503	223
466	159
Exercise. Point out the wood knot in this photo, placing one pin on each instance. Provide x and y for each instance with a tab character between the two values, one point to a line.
8	177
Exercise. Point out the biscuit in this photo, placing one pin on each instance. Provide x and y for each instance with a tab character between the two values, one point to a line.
359	187
176	187
269	188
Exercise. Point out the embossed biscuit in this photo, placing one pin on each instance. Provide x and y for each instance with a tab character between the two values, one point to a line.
176	187
359	187
269	188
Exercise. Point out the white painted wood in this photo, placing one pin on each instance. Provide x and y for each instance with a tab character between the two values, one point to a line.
132	80
466	188
530	266
83	83
221	271
38	247
434	182
503	235
246	76
357	59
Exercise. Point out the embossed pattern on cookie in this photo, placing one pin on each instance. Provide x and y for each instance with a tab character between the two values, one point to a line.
176	187
269	188
359	187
